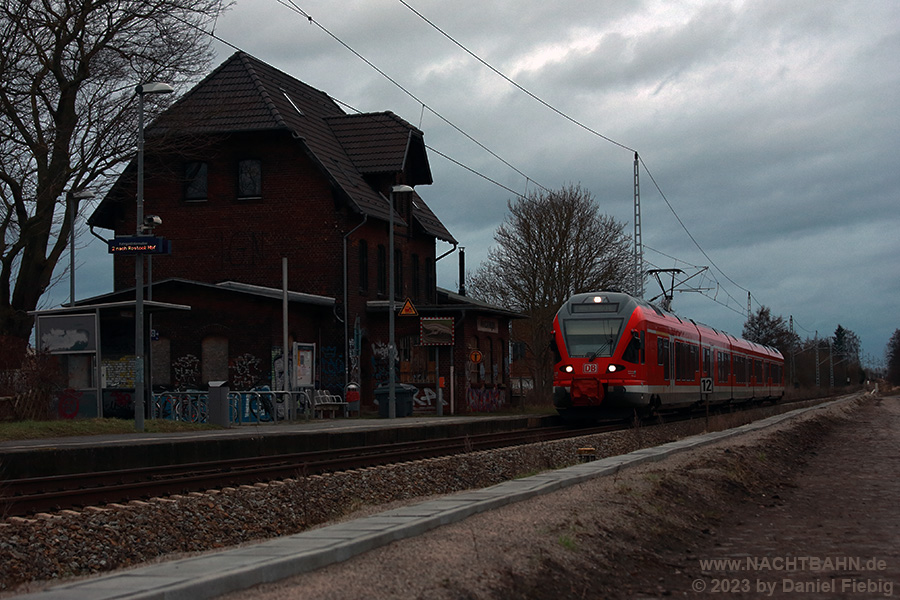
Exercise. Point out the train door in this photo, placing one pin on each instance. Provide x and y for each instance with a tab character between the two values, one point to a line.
663	358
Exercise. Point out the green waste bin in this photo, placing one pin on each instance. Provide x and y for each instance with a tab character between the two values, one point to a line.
403	393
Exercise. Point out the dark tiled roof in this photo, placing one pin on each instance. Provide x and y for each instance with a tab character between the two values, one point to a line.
376	142
246	94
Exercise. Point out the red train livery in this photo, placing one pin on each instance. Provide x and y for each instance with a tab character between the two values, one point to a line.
616	354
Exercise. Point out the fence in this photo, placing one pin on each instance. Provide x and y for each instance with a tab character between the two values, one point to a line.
244	407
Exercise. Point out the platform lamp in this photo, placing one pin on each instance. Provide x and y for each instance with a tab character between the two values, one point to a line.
72	197
141	90
392	347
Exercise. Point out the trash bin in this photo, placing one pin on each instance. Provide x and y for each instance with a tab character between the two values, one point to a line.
403	393
352	398
218	403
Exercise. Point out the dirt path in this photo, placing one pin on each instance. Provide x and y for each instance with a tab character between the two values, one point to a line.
822	488
835	533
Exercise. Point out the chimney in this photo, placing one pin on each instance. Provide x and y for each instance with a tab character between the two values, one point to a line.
462	271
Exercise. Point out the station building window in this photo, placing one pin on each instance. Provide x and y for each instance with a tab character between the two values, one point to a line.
195	181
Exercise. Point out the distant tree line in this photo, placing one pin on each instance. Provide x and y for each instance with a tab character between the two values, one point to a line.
893	358
811	362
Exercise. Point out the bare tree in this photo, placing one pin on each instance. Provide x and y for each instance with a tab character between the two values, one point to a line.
552	245
765	329
68	70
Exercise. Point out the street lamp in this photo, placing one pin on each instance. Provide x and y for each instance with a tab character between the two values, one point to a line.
392	348
72	197
141	91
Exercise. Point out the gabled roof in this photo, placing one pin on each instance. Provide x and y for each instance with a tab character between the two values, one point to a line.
245	94
382	143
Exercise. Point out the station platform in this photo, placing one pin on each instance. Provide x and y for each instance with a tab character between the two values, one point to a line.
67	455
212	575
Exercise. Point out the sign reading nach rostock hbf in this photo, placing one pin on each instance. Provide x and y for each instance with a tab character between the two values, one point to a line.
140	244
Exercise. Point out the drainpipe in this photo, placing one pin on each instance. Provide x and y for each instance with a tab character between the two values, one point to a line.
346	309
447	252
462	271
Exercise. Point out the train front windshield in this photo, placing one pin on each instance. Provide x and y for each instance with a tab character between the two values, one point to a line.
595	338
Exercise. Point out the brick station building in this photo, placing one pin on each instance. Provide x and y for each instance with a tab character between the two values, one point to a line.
253	169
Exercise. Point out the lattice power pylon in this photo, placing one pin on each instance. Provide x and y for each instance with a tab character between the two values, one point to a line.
638	246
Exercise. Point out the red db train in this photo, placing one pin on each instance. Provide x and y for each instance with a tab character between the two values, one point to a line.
617	354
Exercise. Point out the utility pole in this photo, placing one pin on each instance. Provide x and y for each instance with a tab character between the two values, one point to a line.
817	357
830	365
638	246
793	353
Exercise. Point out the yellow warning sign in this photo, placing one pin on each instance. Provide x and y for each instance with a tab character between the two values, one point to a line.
408	309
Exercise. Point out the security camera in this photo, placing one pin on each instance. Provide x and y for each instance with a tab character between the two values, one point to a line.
151	221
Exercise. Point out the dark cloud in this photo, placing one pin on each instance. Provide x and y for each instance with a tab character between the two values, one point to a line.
771	127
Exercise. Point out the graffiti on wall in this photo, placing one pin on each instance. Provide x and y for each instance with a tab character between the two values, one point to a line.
118	403
245	371
71	404
380	362
485	399
187	372
354	361
277	366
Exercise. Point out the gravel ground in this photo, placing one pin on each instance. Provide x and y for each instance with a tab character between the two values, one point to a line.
48	548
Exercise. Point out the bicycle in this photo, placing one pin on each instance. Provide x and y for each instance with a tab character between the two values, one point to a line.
261	407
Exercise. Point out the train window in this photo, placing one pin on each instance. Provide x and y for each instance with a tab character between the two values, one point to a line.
634	349
643	349
740	369
679	360
724	366
707	362
694	356
592	337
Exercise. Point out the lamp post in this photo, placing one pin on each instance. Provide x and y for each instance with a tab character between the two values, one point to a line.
392	347
141	91
71	198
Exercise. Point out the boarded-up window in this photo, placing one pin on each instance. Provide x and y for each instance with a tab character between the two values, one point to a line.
214	364
161	365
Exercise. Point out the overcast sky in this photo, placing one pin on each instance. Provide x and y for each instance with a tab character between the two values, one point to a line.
771	128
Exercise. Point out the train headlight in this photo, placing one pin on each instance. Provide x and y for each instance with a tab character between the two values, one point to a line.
567	369
615	368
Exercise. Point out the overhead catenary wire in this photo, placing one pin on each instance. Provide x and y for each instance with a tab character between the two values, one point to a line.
292	5
350	107
578	123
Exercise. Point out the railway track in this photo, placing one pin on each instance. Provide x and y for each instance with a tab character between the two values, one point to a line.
20	497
